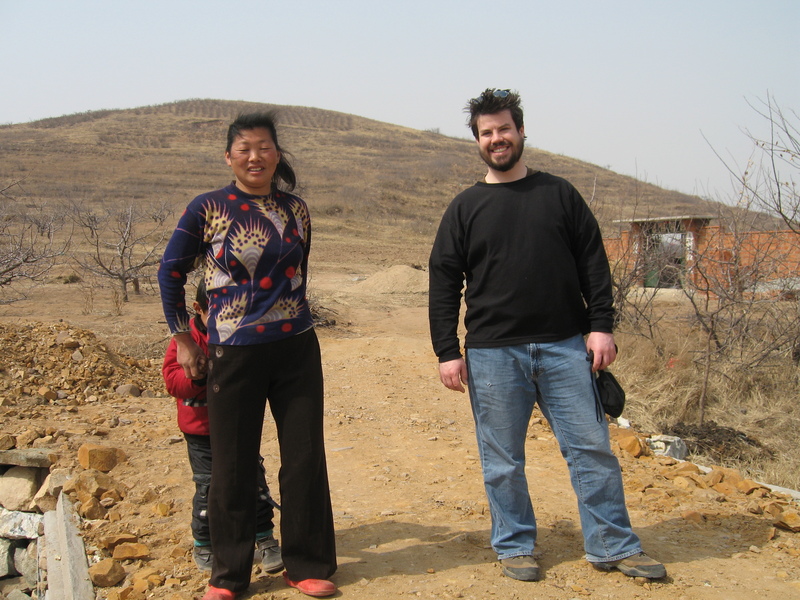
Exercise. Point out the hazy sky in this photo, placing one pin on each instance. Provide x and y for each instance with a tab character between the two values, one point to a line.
635	86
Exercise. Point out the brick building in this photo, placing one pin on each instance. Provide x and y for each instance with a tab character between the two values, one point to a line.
681	250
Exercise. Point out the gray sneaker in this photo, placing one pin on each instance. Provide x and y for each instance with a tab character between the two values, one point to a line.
638	565
522	568
269	553
203	557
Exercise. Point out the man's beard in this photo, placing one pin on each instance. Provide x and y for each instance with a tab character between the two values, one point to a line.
513	159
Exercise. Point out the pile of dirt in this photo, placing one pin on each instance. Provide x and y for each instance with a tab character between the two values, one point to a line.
60	388
399	279
63	365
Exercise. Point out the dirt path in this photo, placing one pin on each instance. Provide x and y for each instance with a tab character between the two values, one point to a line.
409	505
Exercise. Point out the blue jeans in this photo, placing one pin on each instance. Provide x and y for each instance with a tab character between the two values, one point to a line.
504	384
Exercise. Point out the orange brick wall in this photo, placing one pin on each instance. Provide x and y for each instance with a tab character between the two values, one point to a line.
722	255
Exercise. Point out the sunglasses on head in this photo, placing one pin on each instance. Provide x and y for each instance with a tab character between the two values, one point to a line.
495	93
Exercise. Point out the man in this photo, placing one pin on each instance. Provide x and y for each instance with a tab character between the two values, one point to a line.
537	281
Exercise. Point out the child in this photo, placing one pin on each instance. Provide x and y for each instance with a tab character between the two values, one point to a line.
190	396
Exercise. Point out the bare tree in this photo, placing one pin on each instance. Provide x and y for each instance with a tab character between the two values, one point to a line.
743	286
743	302
124	243
30	244
770	177
636	312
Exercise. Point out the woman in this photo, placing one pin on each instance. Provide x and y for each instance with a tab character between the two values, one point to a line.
253	238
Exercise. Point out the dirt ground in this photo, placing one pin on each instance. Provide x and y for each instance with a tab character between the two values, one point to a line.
410	510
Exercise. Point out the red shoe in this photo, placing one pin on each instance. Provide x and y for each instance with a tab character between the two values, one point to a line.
319	588
214	593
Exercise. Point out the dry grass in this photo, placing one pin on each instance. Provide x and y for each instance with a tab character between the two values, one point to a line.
759	406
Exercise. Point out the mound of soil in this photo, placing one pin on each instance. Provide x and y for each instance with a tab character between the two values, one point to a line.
399	279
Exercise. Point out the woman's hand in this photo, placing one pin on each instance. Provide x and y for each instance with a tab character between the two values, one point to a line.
191	357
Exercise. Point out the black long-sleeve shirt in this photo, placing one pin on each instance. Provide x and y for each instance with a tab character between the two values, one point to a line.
533	259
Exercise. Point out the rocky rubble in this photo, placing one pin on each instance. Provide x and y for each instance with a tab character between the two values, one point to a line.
58	365
673	478
52	375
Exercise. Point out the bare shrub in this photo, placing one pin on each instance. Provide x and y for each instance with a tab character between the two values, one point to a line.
32	239
769	179
735	290
633	301
125	243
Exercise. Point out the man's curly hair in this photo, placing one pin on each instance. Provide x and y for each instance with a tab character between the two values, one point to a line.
493	101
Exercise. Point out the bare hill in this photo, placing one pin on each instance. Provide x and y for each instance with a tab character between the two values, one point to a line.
351	169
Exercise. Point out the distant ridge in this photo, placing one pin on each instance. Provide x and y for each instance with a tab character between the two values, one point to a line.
349	167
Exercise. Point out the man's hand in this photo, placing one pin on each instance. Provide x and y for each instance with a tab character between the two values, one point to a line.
191	357
602	347
453	374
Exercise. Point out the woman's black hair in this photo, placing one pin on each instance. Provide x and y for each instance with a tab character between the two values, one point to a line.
264	120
